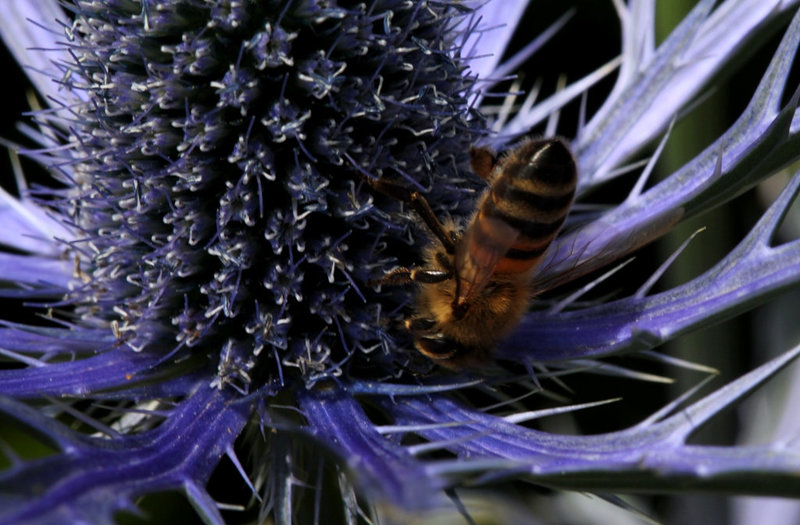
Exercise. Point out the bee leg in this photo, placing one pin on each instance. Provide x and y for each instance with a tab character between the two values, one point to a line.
420	205
482	161
401	276
427	340
421	275
394	277
437	348
420	325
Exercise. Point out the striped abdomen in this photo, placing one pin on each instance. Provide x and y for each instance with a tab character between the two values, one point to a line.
531	192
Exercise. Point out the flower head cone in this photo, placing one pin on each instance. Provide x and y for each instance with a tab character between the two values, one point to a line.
231	181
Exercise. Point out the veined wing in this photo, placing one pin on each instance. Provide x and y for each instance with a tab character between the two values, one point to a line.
485	243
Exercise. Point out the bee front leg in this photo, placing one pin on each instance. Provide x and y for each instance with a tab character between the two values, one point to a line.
420	325
438	348
421	275
419	203
395	277
429	342
401	276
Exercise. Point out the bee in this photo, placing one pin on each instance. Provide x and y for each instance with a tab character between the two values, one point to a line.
476	285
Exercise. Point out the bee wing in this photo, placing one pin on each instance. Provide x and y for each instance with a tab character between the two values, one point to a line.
485	243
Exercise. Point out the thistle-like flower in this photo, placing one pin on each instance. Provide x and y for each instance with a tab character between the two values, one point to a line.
203	265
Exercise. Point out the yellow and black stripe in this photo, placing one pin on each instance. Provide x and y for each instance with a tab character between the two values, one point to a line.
532	194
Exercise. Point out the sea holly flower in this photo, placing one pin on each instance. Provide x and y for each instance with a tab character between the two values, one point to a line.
203	263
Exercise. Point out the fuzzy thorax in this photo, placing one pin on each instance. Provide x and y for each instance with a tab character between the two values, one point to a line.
492	313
